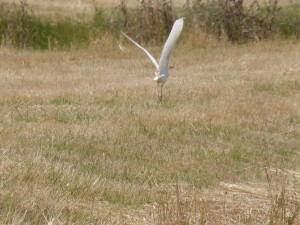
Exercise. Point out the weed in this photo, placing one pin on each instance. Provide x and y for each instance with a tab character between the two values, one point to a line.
238	22
281	211
155	16
182	208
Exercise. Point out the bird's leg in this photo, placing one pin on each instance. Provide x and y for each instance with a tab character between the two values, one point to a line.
158	95
159	92
161	88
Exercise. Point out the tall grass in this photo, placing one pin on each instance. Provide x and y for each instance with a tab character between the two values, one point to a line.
288	21
21	28
239	23
150	23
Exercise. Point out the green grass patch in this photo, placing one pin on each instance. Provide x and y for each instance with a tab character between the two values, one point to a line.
21	28
60	100
263	87
288	20
294	119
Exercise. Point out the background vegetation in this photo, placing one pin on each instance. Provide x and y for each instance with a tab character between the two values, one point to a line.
150	23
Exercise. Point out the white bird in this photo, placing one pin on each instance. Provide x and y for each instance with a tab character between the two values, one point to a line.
162	69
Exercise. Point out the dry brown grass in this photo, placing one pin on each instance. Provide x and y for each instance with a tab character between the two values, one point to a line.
83	139
241	203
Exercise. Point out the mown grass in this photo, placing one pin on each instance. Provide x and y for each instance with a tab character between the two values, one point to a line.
83	139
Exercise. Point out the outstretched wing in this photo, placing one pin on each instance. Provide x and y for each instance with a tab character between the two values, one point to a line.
170	44
145	50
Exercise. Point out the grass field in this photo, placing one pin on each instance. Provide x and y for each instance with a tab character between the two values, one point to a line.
83	140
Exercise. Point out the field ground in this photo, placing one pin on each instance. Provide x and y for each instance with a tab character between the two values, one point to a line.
83	140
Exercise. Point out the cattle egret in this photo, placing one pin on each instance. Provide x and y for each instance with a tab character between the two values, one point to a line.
162	69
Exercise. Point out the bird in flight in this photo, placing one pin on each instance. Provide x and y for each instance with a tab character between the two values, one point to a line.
162	68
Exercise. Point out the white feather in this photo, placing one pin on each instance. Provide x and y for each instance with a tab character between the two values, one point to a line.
170	44
145	50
